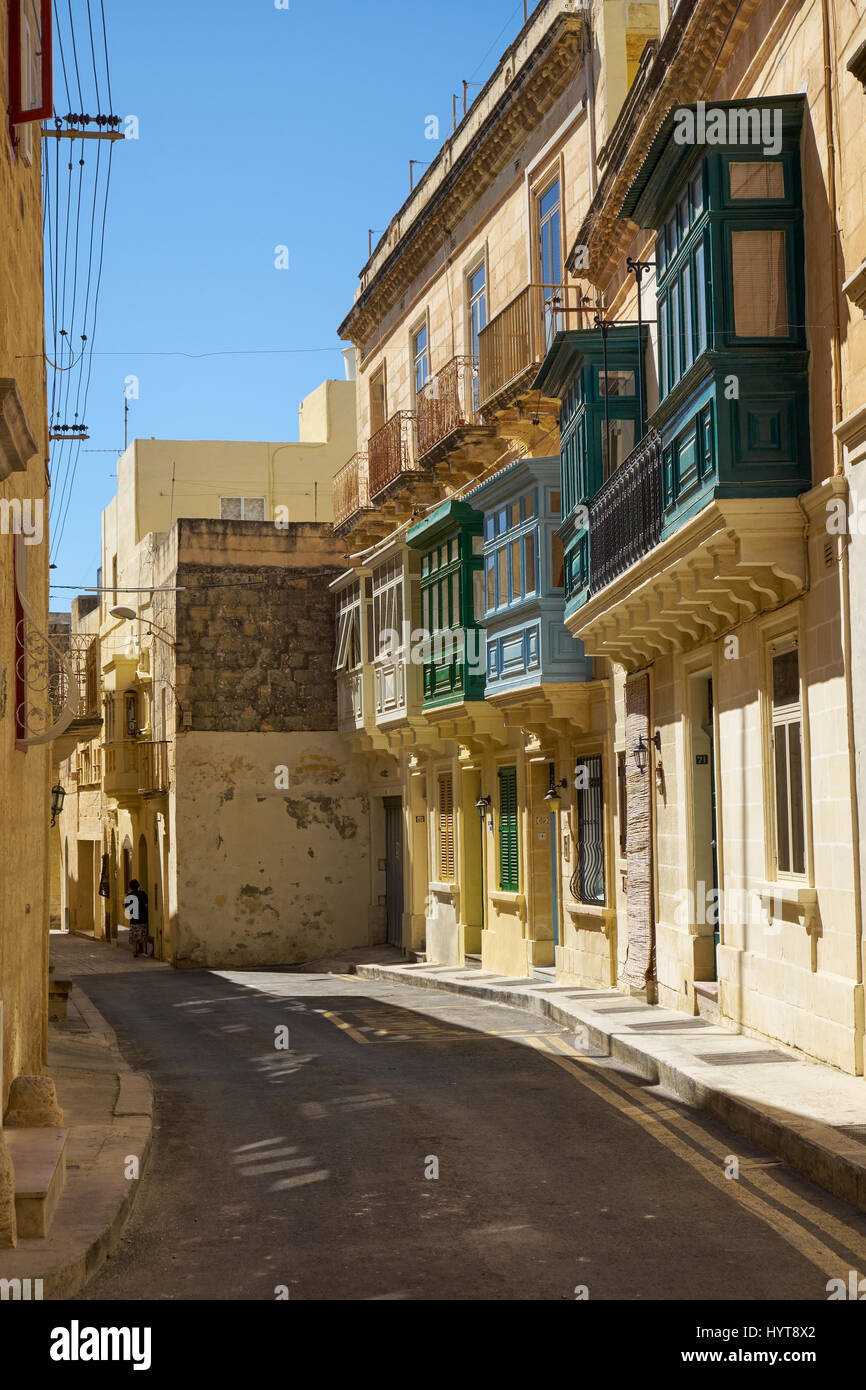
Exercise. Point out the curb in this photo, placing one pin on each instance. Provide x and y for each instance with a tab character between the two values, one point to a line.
75	1256
816	1150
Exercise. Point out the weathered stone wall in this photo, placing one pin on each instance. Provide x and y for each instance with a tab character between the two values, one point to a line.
24	776
254	626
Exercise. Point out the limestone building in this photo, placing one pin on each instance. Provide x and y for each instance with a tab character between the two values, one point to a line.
620	730
213	772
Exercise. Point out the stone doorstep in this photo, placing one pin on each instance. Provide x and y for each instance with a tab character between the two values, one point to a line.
707	999
816	1148
39	1159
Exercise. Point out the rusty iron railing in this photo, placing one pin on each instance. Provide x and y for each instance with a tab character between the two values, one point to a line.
392	452
518	338
76	680
446	403
626	514
351	489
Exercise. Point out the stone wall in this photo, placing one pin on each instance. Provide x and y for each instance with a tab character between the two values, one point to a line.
254	626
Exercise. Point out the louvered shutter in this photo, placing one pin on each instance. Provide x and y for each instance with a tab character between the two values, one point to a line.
509	875
446	828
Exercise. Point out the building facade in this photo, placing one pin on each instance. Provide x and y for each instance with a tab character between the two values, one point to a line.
207	763
600	641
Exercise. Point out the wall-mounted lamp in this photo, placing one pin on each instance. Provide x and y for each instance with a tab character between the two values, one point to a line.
58	795
482	806
552	796
641	751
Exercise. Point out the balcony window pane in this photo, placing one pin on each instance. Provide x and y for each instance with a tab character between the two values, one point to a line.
455	599
502	577
477	595
687	316
663	347
675	333
516	571
620	443
491	584
786	679
529	561
760	288
684	215
550	241
502	522
555	502
701	298
757	179
697	195
513	515
557	562
528	505
616	383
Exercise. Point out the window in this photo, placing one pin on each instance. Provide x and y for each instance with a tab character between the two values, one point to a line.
557	562
476	283
788	762
378	401
420	359
756	179
388	607
30	70
550	236
348	648
446	868
509	876
589	878
130	705
242	509
550	258
758	262
620	443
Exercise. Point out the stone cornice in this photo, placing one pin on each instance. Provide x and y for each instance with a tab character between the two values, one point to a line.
465	175
683	62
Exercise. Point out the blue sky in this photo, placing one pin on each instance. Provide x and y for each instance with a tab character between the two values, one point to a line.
287	127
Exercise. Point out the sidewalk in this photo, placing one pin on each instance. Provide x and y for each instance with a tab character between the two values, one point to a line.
810	1115
108	1110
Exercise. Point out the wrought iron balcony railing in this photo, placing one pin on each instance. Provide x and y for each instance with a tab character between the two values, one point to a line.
626	514
392	452
518	338
447	402
351	489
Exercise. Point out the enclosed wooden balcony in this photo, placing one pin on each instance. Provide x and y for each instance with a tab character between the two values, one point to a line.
392	453
652	588
514	344
153	767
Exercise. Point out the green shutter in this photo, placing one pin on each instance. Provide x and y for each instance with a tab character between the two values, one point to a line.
509	878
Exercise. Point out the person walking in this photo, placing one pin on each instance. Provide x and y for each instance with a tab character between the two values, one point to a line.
135	906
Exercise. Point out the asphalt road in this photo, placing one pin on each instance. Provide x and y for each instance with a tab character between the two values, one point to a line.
306	1170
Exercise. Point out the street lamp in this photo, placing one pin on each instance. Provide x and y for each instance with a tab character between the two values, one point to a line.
58	794
482	806
129	614
641	750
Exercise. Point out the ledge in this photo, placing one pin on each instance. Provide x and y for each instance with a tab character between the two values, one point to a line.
17	443
736	558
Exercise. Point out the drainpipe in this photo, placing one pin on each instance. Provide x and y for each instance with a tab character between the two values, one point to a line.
839	469
590	112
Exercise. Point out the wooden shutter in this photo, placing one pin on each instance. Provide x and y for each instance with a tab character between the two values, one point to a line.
446	828
509	875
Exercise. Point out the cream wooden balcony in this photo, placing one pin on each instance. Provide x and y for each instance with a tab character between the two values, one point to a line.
153	767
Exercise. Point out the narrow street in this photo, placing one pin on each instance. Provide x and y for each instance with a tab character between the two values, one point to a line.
306	1168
